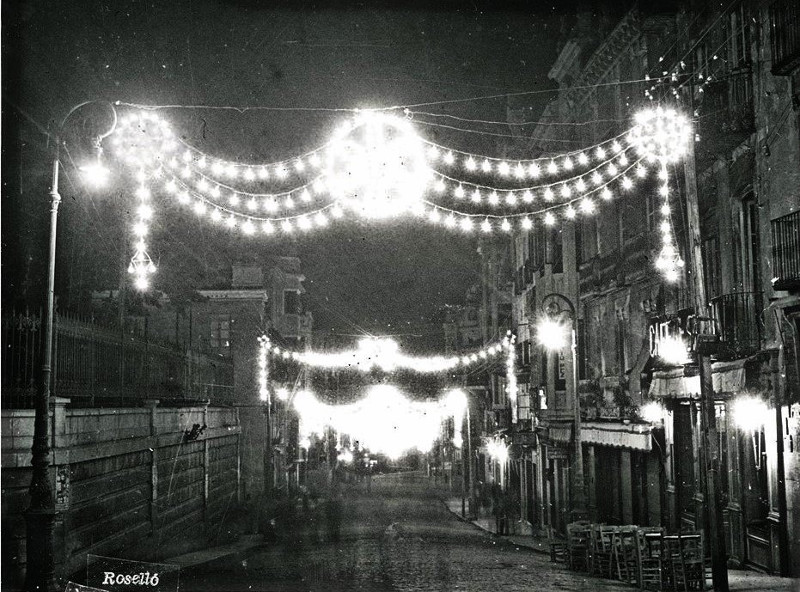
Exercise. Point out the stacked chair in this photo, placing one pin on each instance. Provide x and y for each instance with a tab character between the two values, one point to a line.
557	545
602	550
578	545
650	554
645	557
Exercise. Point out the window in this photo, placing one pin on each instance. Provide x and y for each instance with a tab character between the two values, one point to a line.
785	32
739	44
536	246
746	251
620	336
291	302
220	333
589	240
711	267
581	338
556	253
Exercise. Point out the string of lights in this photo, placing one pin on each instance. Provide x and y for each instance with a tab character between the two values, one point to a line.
377	166
384	354
532	168
525	194
582	203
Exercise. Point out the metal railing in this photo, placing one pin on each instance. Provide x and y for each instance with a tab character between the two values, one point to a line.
786	250
729	101
785	32
95	364
738	319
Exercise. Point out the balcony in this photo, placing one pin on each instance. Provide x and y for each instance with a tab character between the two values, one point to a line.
738	319
784	16
786	252
728	104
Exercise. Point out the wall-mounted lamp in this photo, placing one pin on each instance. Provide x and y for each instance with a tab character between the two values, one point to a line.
653	412
750	414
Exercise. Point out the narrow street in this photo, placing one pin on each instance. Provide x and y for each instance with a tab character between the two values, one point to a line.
397	536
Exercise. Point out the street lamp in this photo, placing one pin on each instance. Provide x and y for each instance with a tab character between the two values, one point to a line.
552	334
40	515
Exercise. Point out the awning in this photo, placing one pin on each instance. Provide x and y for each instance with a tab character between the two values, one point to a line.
560	434
674	384
619	435
684	383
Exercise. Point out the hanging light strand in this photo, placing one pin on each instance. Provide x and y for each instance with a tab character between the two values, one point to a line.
438	153
487	222
268	202
384	354
461	189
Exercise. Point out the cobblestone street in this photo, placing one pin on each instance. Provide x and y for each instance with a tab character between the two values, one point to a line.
398	536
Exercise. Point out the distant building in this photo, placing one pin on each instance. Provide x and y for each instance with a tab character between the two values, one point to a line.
261	299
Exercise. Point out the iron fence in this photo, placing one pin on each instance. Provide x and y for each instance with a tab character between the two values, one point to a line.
95	364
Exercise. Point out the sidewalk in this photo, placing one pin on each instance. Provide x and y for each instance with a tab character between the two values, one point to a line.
243	545
739	580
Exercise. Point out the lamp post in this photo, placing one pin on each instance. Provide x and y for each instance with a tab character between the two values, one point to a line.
551	333
40	515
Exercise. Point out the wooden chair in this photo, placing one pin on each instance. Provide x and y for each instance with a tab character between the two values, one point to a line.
684	562
578	545
557	545
650	552
625	556
692	572
602	550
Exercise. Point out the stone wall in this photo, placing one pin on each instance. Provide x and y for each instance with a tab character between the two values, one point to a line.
128	482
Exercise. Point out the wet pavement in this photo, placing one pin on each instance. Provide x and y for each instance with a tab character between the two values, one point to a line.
398	536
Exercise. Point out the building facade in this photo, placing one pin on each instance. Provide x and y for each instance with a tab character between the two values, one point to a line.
643	434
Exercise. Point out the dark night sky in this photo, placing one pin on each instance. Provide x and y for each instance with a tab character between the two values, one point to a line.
386	278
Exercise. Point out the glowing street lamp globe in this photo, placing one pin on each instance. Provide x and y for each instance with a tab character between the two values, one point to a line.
95	174
551	334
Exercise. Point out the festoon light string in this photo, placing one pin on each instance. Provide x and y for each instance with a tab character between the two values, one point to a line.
384	420
376	166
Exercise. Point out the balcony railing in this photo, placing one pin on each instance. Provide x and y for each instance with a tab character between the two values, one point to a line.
729	103
93	364
786	251
738	318
785	28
